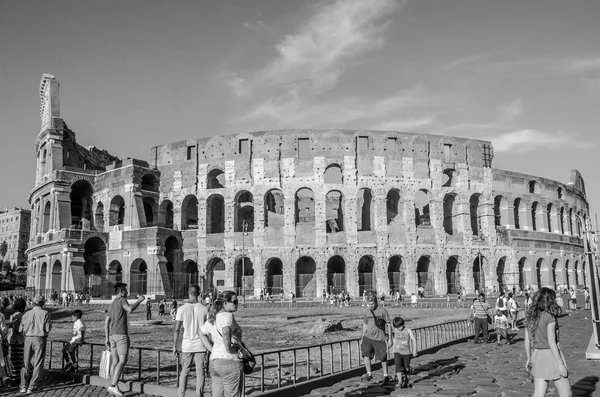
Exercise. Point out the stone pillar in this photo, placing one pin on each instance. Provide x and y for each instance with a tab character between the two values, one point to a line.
320	219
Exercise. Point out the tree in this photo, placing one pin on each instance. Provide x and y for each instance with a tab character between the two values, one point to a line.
3	250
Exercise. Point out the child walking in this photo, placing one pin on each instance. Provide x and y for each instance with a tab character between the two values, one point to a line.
501	327
70	349
404	348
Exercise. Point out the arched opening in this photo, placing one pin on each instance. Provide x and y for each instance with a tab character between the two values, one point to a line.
425	275
562	220
81	205
274	208
452	275
138	277
306	282
365	274
189	212
534	187
115	272
150	211
534	220
449	200
172	255
46	223
305	206
43	272
99	217
336	275
334	204
117	211
500	211
448	178
215	214
244	266
165	214
185	278
576	273
478	273
392	205
518	208
150	183
244	211
554	264
422	215
95	259
56	276
538	272
500	274
215	274
215	179
274	276
522	262
364	201
571	221
396	274
333	175
475	212
550	218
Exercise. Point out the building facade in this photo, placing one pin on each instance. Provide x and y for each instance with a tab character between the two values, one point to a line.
297	210
14	231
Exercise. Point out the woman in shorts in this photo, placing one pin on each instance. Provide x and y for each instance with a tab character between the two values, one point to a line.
545	360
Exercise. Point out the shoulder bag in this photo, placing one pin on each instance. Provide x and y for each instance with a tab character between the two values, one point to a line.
379	322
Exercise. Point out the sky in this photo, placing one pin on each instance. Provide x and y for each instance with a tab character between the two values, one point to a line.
135	74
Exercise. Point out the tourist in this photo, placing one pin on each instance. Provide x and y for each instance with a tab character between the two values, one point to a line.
194	343
458	299
501	304
376	337
527	301
173	309
226	367
5	370
501	327
16	339
545	360
117	334
513	310
481	310
573	299
586	295
148	309
161	308
70	349
405	348
413	301
35	326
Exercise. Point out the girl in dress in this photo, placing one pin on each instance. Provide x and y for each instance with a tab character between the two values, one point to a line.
545	360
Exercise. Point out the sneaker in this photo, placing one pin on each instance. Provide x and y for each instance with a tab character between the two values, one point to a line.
367	377
23	390
115	391
30	391
386	380
68	367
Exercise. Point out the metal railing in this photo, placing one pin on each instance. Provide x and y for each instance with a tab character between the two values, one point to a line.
274	369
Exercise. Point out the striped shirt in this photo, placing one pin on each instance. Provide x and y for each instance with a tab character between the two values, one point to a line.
482	309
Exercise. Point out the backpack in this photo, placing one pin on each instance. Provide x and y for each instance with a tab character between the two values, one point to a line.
501	303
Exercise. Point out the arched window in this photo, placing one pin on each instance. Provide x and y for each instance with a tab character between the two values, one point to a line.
449	214
150	183
422	215
46	223
165	214
99	217
274	208
244	211
150	211
189	212
81	205
117	211
534	210
475	211
333	175
334	212
392	205
215	179
215	214
305	206
363	211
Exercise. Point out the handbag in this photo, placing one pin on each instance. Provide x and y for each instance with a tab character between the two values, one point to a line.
379	322
247	357
105	362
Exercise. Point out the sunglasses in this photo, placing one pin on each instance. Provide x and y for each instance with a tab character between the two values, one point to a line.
235	301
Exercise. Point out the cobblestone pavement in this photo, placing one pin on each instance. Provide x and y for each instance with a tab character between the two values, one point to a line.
48	388
482	370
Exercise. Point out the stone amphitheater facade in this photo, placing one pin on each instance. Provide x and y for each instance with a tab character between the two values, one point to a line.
297	210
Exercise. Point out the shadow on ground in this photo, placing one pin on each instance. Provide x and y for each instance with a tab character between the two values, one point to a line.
585	387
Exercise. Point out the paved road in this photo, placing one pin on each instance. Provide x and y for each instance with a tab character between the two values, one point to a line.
66	389
485	370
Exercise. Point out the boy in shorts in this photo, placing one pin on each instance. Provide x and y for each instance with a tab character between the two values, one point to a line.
70	349
405	348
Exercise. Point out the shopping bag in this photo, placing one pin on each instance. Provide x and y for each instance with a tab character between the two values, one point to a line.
105	362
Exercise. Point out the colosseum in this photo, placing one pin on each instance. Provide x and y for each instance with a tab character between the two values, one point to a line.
296	210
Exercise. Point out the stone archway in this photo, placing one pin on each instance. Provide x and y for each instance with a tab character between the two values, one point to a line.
336	274
452	275
215	275
425	277
366	277
397	274
138	277
306	282
274	276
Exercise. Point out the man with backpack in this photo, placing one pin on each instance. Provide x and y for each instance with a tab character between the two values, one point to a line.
501	304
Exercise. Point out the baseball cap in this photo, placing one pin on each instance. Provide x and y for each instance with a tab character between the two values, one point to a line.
39	299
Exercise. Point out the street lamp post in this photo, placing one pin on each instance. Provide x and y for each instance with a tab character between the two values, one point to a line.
592	353
244	230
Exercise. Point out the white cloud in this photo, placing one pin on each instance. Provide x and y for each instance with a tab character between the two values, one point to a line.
257	26
466	61
406	124
238	85
583	65
312	59
527	140
512	110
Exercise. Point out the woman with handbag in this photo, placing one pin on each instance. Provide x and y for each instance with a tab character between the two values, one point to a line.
482	317
545	361
225	364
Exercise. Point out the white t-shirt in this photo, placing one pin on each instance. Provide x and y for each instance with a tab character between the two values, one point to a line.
222	320
78	328
512	305
192	315
413	299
